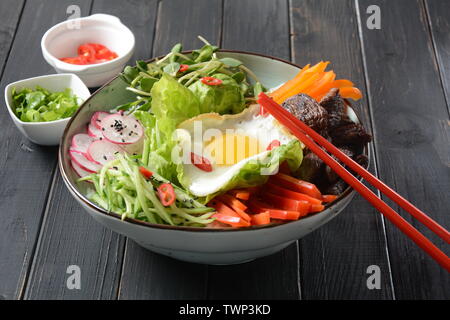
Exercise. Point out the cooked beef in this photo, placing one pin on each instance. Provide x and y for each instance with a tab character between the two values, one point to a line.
350	134
311	167
307	109
335	106
329	119
331	175
336	188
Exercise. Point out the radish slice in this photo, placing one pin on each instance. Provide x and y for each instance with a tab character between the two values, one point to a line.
102	151
84	162
81	142
97	118
94	132
122	129
79	170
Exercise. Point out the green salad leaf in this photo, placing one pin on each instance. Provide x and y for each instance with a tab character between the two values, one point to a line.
225	98
172	103
39	104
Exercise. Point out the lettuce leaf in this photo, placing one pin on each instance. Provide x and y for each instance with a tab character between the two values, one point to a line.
172	103
224	99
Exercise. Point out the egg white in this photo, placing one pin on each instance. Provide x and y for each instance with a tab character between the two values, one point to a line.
249	123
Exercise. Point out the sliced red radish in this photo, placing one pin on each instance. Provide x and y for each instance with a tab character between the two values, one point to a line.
97	118
94	132
122	129
81	142
79	170
84	162
102	151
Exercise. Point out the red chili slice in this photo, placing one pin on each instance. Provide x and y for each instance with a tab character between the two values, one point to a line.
87	51
145	172
201	162
275	143
166	194
183	67
211	81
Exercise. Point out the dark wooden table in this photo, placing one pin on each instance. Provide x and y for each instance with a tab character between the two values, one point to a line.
404	71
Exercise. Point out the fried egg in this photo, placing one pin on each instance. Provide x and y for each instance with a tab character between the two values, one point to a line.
227	144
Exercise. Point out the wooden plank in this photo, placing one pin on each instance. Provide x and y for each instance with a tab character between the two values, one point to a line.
26	169
182	21
411	137
334	259
276	276
147	275
9	18
81	240
439	21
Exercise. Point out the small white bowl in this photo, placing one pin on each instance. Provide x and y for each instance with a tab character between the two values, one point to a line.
46	133
63	39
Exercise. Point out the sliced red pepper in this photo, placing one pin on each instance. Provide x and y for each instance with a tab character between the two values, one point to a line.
328	198
235	204
286	203
260	207
166	194
317	208
286	193
274	144
201	162
145	172
227	215
261	218
240	194
211	81
297	185
183	67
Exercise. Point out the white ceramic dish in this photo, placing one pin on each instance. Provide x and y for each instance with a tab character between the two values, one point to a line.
209	246
46	133
63	39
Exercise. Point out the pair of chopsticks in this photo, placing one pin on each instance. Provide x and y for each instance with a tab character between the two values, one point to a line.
311	139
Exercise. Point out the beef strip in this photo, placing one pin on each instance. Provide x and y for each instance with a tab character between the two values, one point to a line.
335	106
311	167
335	188
331	175
350	134
307	109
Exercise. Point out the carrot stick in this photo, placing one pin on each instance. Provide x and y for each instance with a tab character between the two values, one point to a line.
350	93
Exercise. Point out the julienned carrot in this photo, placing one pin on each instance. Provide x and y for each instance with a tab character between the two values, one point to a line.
289	88
291	183
317	208
286	203
335	84
326	80
261	218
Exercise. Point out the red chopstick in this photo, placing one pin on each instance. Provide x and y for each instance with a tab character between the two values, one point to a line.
300	129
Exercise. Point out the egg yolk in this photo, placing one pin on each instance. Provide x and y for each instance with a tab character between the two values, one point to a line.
229	149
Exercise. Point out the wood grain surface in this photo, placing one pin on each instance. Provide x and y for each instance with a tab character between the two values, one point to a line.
403	69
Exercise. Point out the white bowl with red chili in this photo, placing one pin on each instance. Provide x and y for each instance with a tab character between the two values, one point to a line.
96	48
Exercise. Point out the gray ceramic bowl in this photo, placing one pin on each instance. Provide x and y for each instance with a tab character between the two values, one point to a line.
201	245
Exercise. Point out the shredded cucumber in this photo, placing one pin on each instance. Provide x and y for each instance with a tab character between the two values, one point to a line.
121	188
